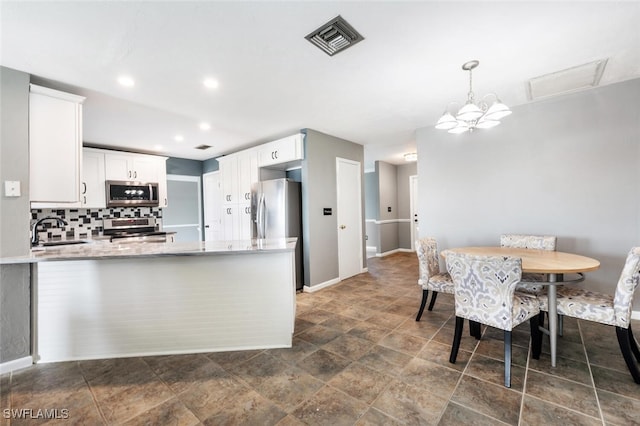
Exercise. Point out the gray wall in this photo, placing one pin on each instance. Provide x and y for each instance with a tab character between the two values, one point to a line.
371	196
319	232
404	204
568	166
14	215
210	165
182	166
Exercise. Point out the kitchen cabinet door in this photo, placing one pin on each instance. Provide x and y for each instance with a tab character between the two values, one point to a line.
281	151
229	176
132	167
55	148
247	175
93	180
231	222
161	178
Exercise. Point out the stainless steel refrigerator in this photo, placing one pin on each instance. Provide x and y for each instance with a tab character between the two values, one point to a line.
276	213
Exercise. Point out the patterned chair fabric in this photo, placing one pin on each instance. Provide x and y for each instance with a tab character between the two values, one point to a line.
531	283
603	308
430	276
485	290
485	293
606	309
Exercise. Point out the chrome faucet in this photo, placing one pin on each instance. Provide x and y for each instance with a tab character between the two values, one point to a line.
34	231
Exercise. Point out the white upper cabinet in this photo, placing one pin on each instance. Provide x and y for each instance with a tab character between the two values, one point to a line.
93	185
131	167
281	151
55	148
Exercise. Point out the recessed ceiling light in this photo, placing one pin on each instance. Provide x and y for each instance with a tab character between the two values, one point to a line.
210	83
178	138
205	126
126	81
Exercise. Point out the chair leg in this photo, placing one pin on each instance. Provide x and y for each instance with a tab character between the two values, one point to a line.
434	295
536	336
560	322
475	329
541	319
457	336
507	358
425	295
633	344
625	348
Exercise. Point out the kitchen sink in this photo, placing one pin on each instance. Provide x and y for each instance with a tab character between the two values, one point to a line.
63	243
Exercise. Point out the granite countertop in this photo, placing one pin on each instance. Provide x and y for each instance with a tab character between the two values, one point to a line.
96	250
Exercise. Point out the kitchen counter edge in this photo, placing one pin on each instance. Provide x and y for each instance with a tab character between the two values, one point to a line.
105	250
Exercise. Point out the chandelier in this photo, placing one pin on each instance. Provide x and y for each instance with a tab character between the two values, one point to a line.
484	114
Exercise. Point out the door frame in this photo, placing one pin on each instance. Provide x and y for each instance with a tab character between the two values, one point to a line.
359	204
198	180
413	188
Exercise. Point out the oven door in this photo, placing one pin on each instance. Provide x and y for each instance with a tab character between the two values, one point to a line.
130	194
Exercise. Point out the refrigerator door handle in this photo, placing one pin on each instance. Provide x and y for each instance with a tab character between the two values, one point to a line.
260	217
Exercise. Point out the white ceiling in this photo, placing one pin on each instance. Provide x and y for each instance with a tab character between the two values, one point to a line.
273	82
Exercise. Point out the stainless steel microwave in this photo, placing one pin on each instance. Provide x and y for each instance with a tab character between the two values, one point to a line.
131	194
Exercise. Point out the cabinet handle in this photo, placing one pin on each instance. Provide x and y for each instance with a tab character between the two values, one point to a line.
85	200
165	202
84	185
273	153
135	174
206	226
129	174
276	153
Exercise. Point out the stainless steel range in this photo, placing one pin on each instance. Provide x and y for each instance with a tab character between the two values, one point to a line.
139	229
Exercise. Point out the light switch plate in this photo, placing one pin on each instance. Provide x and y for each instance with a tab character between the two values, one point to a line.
11	188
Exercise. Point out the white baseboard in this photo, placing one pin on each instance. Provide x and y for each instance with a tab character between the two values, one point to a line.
635	315
398	250
16	364
311	289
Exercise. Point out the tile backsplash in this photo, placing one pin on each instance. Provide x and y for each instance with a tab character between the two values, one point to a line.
84	223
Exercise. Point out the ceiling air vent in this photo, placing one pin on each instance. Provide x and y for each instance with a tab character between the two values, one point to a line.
203	147
335	36
569	80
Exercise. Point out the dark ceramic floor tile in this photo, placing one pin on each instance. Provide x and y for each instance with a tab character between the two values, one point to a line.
258	369
118	380
290	420
361	313
492	370
360	382
455	415
298	350
172	412
76	398
248	409
565	368
387	320
570	350
609	357
227	359
615	381
563	392
316	316
619	410
48	376
445	336
301	325
373	417
385	360
182	371
488	399
369	332
401	308
537	412
519	336
323	364
289	388
422	329
330	407
341	323
409	404
410	345
133	401
439	353
430	376
113	367
212	395
349	346
494	348
319	335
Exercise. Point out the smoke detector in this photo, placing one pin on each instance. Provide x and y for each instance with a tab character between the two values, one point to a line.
569	80
335	36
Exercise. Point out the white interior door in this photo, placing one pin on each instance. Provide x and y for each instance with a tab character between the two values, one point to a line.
349	214
413	194
182	215
212	207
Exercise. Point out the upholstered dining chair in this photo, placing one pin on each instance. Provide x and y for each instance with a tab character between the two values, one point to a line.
607	309
430	276
531	282
484	292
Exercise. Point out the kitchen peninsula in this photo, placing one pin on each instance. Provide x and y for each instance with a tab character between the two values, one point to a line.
107	300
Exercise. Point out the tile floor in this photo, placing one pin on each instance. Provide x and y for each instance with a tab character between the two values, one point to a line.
358	358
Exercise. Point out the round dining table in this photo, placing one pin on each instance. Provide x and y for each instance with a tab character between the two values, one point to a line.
552	263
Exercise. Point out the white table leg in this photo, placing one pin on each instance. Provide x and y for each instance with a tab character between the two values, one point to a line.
553	317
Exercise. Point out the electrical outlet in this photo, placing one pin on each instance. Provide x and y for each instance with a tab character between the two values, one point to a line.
11	188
